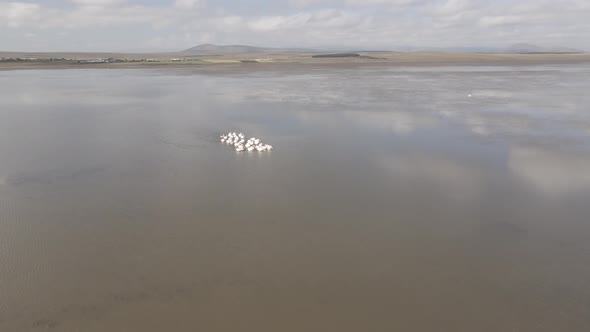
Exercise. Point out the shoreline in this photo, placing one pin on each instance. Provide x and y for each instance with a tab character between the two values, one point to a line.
393	59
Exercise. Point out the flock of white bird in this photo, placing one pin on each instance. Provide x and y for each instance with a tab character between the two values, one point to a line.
238	140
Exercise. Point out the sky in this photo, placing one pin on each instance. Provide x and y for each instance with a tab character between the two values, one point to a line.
172	25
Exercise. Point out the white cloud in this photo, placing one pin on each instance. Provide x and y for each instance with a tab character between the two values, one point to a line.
16	14
99	3
325	19
302	3
351	3
364	3
451	7
490	21
381	24
188	4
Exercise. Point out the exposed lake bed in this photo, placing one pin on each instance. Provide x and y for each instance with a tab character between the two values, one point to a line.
396	198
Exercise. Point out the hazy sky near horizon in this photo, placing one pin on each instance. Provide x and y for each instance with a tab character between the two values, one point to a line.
152	25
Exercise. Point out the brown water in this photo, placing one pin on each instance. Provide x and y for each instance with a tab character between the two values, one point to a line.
393	201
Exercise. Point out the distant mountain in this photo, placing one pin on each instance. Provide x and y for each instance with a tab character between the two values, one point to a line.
208	49
524	48
530	48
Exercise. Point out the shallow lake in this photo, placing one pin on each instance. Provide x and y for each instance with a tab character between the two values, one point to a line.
395	199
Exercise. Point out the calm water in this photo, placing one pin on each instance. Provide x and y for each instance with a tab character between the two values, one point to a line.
393	201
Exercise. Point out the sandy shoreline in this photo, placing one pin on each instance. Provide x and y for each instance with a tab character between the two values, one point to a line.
254	60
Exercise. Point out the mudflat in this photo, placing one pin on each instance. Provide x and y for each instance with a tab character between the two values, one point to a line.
130	60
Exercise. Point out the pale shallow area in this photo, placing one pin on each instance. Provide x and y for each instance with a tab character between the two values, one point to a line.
392	200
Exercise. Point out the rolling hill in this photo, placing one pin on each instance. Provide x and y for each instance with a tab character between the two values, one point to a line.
531	48
209	49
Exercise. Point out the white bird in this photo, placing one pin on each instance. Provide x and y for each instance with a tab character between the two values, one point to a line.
239	142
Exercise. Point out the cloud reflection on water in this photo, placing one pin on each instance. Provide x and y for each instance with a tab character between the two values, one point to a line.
456	179
551	171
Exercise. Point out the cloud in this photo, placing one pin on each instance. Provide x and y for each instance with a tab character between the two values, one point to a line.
490	21
379	24
352	3
98	3
365	3
302	3
16	14
188	4
325	19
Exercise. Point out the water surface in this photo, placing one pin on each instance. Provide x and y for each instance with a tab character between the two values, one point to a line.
396	199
